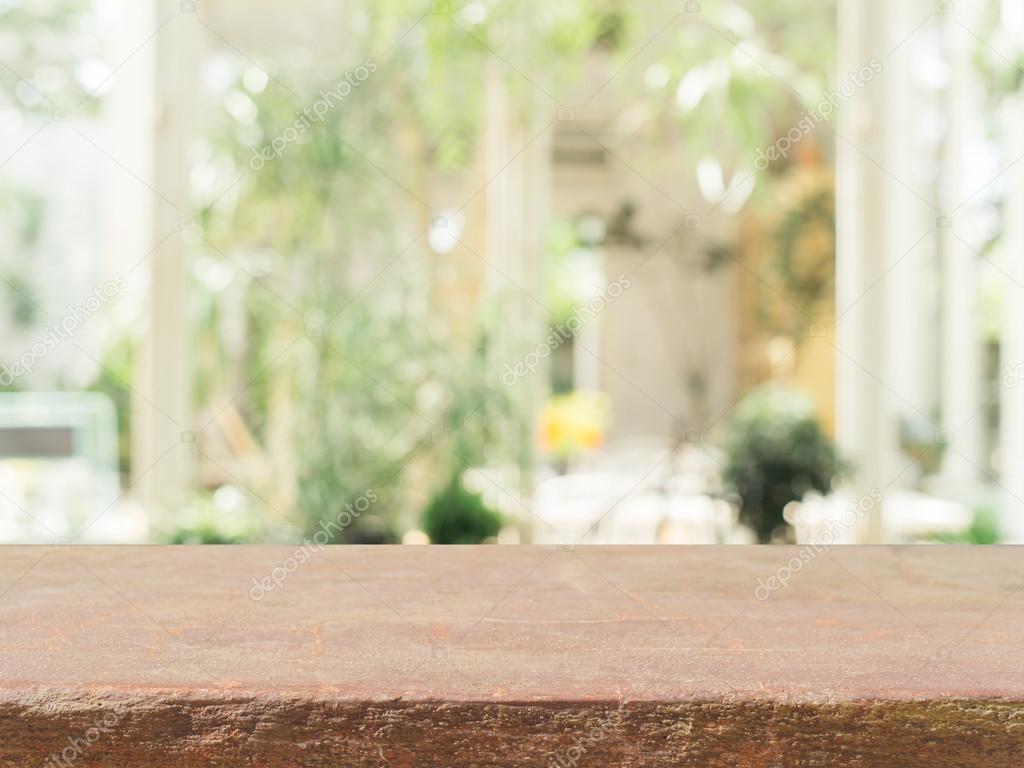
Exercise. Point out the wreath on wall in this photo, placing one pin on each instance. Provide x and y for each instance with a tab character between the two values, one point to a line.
802	243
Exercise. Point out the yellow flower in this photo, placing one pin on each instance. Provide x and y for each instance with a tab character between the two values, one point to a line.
574	423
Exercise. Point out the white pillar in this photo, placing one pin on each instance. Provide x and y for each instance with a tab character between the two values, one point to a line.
1011	402
961	367
162	455
517	171
912	284
863	421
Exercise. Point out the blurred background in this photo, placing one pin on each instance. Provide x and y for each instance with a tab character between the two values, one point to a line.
586	271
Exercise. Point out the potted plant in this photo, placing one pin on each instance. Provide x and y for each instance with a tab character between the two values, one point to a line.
456	515
776	452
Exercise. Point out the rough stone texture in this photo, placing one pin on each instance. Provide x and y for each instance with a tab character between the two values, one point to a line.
518	656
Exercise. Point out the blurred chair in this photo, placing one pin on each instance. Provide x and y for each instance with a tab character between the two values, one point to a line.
633	520
647	460
602	508
568	506
909	516
696	519
824	520
656	518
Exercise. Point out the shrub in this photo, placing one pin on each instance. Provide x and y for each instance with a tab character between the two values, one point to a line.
776	452
458	516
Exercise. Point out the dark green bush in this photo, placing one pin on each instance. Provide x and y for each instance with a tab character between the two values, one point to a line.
458	516
776	453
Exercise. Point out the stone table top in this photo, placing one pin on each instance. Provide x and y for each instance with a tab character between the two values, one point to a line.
243	636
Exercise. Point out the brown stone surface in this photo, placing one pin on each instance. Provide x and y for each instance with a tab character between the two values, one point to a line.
512	656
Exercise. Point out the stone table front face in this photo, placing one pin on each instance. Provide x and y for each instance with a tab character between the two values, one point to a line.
409	656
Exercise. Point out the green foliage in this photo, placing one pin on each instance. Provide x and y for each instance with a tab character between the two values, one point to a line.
204	533
998	57
21	214
370	530
984	529
113	379
227	516
383	393
570	271
329	234
458	516
735	76
44	44
776	452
